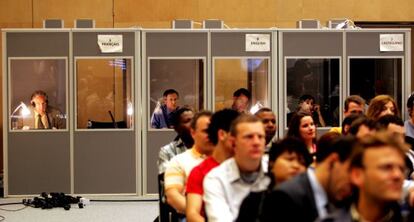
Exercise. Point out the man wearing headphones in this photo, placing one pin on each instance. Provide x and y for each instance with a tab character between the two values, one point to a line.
42	116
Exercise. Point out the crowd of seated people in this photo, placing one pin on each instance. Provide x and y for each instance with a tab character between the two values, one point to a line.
359	172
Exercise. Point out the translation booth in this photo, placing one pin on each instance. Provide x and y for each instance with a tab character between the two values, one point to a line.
330	65
89	139
242	59
171	59
106	152
36	74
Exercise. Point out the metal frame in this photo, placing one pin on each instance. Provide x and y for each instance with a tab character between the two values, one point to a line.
213	74
9	92
148	83
75	75
284	83
403	73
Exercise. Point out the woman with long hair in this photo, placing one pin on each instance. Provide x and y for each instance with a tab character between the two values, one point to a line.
382	105
302	127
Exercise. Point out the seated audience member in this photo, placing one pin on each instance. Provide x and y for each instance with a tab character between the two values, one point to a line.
269	121
377	172
179	167
395	126
227	185
303	128
42	115
307	105
362	126
346	124
287	158
353	105
218	134
382	105
409	123
241	100
161	116
305	197
181	120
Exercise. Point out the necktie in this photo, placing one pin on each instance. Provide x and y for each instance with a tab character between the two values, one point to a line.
39	122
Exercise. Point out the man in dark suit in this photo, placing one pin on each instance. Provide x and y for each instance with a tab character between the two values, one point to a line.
315	193
42	116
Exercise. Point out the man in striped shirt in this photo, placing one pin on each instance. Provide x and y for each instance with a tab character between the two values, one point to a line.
179	168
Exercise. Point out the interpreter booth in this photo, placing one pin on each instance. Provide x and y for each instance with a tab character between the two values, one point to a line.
378	61
171	59
36	160
70	123
243	59
330	65
107	126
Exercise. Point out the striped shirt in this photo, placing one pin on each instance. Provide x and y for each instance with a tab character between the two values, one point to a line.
169	151
179	168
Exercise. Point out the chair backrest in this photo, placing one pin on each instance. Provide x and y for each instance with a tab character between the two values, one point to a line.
167	213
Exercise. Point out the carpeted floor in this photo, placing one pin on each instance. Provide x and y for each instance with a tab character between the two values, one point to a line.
141	211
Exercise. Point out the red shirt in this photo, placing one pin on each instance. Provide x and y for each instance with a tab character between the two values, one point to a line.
195	180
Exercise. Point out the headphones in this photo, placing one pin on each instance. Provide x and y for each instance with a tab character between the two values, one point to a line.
38	93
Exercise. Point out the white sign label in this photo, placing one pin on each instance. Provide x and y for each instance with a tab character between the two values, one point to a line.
257	42
391	42
110	43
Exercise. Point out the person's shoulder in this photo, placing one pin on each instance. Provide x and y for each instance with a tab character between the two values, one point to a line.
218	171
295	184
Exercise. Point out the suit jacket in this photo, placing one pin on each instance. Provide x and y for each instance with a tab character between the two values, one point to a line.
54	116
291	201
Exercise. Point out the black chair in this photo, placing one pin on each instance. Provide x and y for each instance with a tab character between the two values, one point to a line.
167	213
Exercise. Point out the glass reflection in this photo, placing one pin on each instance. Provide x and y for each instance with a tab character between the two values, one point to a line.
174	83
104	93
313	87
241	84
38	94
370	77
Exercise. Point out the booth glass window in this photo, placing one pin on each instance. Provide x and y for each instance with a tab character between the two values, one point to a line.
104	93
181	81
231	74
370	77
312	85
38	93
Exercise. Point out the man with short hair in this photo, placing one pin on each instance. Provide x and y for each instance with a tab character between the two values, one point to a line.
227	185
218	134
181	120
309	196
162	114
353	104
241	100
269	121
179	168
377	171
42	115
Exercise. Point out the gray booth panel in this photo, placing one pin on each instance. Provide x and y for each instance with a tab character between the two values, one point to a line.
32	44
100	168
38	162
156	140
176	44
234	44
312	43
368	44
86	44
